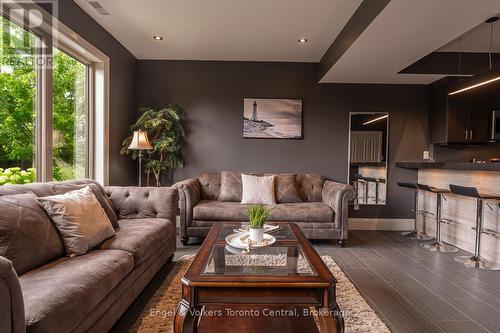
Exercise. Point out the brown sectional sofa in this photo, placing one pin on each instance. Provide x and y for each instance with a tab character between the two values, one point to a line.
88	293
319	209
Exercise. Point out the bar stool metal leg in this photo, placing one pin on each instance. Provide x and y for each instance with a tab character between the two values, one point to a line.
438	245
366	192
356	199
476	261
415	234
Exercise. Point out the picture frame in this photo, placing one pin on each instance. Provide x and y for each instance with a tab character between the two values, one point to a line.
272	118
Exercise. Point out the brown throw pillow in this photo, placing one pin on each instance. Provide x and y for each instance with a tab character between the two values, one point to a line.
287	190
230	186
104	200
80	219
27	236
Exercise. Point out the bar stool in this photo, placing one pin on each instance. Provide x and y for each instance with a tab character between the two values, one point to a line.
438	245
415	234
377	182
377	190
367	192
476	261
356	177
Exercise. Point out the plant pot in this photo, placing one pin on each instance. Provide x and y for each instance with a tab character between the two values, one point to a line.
256	235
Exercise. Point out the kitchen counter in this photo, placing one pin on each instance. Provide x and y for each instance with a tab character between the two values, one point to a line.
463	210
450	165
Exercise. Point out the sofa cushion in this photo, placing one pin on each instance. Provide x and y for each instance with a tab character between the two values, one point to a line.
231	188
302	212
220	211
310	187
207	210
104	200
210	185
57	296
28	237
140	237
287	190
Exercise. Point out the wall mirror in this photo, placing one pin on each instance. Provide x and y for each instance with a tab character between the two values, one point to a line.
368	147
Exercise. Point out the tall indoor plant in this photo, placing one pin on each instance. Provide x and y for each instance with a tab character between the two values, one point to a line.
166	134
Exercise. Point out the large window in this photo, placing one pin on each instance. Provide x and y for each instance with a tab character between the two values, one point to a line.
69	135
53	102
18	95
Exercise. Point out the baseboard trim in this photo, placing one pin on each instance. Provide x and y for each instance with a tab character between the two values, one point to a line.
380	224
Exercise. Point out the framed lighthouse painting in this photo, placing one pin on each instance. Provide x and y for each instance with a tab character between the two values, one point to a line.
267	118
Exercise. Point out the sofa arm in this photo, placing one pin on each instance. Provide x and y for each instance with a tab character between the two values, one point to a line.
337	196
11	299
189	196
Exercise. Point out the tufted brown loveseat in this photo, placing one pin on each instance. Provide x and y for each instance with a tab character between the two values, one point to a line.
320	208
86	293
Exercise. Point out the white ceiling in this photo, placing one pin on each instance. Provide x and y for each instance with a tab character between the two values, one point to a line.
476	40
404	32
267	30
253	30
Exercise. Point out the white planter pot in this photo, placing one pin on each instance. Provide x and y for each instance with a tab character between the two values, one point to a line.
257	235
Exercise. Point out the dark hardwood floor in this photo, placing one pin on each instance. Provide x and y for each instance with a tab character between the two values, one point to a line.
411	289
414	290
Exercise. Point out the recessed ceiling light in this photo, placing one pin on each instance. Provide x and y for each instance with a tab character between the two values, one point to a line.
302	40
156	37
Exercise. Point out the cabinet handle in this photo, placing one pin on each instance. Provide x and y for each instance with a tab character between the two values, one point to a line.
470	135
466	135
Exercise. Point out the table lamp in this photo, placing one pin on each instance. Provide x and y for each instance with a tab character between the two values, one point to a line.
140	142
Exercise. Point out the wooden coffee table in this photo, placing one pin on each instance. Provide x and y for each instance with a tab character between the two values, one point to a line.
271	289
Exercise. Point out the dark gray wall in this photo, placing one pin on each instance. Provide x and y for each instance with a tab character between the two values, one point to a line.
123	86
212	94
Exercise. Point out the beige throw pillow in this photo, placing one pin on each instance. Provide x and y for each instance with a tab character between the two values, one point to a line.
258	190
79	218
104	200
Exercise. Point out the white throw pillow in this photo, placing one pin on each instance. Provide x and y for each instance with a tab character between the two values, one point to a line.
79	218
258	190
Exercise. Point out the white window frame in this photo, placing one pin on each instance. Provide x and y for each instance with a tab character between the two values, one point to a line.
97	64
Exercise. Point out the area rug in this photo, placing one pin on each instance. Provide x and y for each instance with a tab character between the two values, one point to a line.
158	315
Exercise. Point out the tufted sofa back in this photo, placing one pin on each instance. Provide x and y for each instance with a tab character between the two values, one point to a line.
143	202
43	189
310	186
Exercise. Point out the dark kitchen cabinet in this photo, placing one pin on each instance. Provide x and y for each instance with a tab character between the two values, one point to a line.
462	118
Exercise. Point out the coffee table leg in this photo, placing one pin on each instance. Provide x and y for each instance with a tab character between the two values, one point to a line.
187	313
330	317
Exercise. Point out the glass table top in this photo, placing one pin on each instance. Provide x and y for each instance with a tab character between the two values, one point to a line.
278	259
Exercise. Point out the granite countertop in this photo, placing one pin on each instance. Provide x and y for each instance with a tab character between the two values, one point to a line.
450	165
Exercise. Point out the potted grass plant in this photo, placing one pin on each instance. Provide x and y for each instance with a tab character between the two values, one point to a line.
257	215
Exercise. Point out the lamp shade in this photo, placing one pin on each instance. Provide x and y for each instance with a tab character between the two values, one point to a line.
140	141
